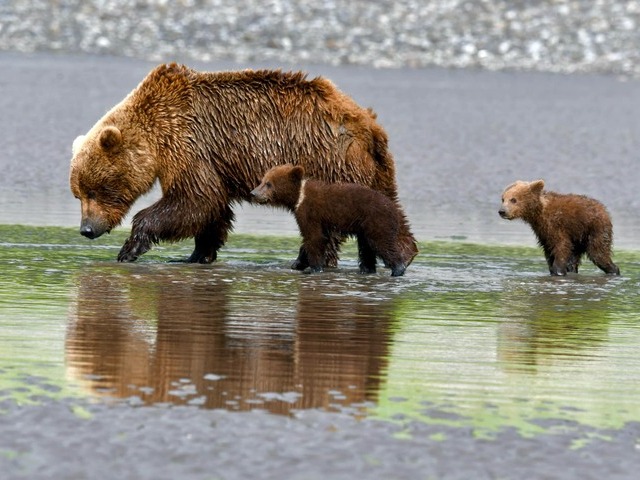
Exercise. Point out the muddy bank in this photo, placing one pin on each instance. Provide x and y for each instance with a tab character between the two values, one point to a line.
71	440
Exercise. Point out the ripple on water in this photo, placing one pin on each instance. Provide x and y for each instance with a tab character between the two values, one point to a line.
458	332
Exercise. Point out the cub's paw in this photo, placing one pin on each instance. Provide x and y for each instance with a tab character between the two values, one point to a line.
314	269
297	264
398	270
201	257
365	269
302	262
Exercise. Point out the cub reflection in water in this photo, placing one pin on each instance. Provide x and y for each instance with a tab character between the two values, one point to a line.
192	337
542	326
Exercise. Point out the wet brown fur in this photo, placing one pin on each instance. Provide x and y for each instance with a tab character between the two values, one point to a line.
322	209
208	138
567	225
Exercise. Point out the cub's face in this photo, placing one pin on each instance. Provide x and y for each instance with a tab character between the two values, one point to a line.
109	171
280	186
518	198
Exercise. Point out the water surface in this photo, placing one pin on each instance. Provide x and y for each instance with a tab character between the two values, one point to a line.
472	335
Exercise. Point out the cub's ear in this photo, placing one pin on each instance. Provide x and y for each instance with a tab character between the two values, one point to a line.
537	186
110	139
297	172
77	144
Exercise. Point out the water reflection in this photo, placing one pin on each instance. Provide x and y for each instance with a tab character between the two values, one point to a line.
548	319
211	337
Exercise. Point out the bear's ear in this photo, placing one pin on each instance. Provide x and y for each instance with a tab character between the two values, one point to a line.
537	186
77	144
297	173
110	138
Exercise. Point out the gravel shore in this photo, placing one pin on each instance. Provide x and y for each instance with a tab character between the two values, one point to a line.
542	35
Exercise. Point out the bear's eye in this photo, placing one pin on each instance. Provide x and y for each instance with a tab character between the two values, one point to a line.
268	184
513	200
91	195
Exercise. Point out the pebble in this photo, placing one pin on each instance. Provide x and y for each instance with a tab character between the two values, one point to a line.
565	36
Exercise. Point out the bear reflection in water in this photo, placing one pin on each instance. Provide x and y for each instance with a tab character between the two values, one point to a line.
206	341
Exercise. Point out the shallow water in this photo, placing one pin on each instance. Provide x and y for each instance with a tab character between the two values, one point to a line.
472	335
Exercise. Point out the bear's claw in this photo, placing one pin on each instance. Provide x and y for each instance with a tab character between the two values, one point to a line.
133	248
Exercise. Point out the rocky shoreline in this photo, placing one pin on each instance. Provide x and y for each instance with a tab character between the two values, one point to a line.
548	35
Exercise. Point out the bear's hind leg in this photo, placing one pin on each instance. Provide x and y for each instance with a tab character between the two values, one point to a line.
392	249
574	261
609	268
366	255
212	238
558	268
599	251
207	245
393	258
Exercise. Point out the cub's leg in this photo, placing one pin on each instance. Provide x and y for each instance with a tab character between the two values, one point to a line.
561	254
599	251
367	255
314	243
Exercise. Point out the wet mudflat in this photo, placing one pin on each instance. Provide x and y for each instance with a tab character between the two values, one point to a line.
248	369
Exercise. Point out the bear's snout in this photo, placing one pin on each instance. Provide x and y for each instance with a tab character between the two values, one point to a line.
258	195
92	229
502	212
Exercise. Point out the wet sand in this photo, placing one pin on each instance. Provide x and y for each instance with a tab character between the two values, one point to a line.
155	443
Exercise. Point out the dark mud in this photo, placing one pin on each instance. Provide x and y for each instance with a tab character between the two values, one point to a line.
71	440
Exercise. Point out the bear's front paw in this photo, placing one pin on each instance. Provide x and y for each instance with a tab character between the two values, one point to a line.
133	248
302	262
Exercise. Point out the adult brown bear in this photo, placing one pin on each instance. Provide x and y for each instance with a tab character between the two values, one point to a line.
208	138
